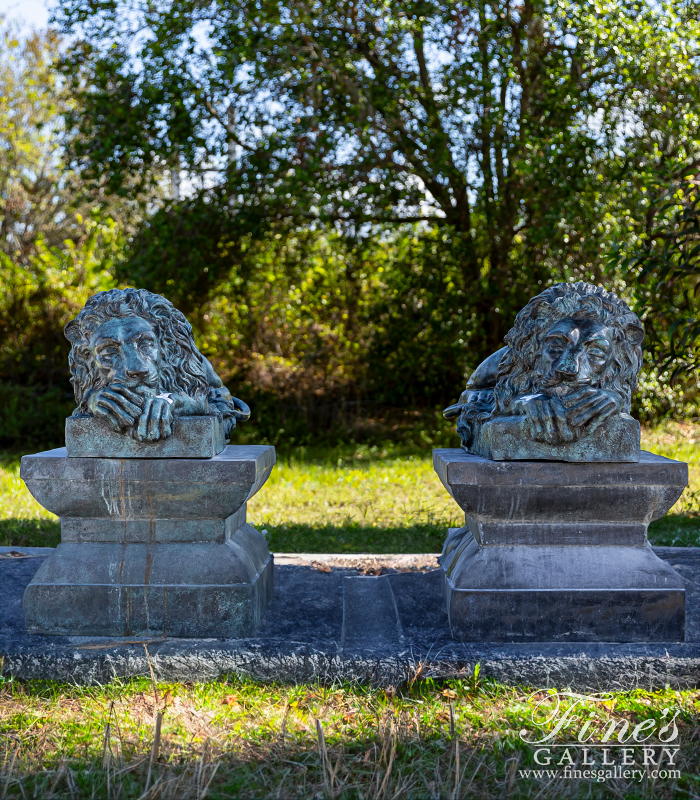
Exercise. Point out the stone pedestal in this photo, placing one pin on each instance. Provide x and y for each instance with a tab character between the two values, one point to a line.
153	547
555	551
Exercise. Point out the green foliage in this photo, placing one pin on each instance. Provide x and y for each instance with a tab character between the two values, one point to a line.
38	298
665	263
187	250
36	301
34	193
317	322
371	192
528	134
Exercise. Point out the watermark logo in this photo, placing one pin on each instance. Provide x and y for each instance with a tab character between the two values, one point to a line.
594	748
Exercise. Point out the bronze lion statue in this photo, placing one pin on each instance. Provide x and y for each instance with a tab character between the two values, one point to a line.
571	361
134	363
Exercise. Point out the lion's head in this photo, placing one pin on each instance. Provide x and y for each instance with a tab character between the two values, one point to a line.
164	357
610	356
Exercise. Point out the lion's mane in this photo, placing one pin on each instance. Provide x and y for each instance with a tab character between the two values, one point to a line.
182	367
518	371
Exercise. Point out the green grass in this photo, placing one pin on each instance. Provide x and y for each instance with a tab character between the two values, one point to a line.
238	739
356	499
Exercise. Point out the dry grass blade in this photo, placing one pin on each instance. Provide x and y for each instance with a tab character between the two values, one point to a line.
106	747
60	773
204	791
153	674
327	774
8	777
418	671
285	717
70	780
455	793
155	749
471	780
390	762
151	793
201	763
511	770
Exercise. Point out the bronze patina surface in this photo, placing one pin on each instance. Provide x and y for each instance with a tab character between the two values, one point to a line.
567	374
554	551
134	364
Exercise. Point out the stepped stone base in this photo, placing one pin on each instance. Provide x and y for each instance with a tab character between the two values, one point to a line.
181	590
575	593
558	551
150	547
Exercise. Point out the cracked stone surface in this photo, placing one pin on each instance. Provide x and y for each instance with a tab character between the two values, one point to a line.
313	630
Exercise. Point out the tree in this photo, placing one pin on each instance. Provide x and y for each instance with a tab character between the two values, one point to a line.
35	196
510	124
43	203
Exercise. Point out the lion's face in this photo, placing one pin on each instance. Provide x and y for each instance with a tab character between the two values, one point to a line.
575	353
126	351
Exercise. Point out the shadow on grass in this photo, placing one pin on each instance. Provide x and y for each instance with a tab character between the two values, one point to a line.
16	532
676	530
355	538
290	538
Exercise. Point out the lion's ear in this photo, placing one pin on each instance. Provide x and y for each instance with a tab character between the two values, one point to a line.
72	331
633	329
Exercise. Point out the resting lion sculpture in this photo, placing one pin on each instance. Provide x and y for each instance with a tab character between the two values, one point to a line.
134	363
571	361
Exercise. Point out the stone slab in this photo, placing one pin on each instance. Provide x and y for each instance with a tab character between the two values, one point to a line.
508	439
147	489
369	614
558	551
101	530
150	545
192	437
300	639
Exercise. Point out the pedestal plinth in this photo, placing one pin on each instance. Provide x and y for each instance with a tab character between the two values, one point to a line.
555	551
150	546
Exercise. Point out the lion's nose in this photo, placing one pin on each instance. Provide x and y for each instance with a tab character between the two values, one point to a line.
567	367
134	366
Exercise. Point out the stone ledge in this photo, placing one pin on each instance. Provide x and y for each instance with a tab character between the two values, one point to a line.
146	488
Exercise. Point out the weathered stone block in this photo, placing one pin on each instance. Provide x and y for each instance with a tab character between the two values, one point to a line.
508	439
151	545
192	437
558	551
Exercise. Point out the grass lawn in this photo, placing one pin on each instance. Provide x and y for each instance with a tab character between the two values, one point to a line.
361	499
237	739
